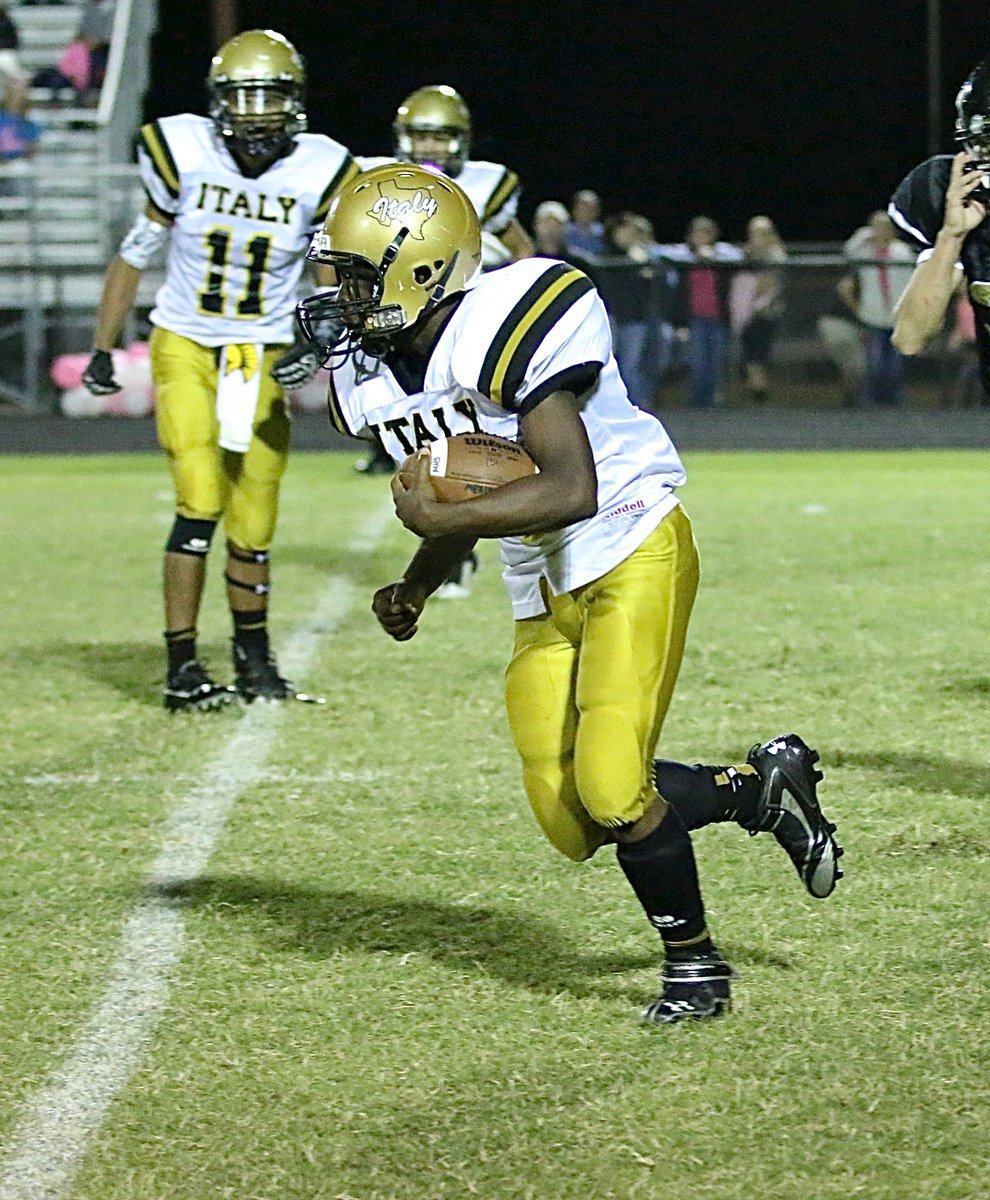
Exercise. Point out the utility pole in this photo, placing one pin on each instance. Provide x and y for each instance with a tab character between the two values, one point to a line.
935	143
224	21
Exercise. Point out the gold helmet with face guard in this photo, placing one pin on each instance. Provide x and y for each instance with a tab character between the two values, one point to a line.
256	88
401	238
432	127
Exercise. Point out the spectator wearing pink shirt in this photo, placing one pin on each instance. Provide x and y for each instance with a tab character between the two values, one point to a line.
81	65
704	306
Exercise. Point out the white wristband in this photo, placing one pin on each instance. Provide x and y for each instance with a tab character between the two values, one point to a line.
143	241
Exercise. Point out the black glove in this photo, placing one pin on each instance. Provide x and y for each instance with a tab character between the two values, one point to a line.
297	366
98	376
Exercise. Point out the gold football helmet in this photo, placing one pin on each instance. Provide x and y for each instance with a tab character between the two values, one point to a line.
433	127
400	238
256	86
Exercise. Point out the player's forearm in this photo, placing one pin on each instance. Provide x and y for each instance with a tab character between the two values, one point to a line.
535	504
434	560
119	293
921	311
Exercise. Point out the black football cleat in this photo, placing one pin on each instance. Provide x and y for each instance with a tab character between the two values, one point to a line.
789	809
695	989
191	688
256	677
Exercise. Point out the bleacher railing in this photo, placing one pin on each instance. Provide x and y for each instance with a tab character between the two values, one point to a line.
816	360
49	280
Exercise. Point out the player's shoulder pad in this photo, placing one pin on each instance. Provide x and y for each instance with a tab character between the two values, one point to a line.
367	162
328	166
501	180
174	145
917	206
512	312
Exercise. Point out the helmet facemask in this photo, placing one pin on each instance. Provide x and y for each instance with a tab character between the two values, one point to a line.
432	128
257	118
973	116
450	159
352	317
400	239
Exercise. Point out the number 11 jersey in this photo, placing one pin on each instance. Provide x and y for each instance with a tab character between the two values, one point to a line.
238	243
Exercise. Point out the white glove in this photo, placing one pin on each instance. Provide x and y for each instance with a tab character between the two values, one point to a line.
297	366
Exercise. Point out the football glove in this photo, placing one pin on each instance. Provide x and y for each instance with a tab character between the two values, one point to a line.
98	376
297	366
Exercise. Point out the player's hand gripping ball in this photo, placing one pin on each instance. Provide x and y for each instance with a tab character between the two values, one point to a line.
470	464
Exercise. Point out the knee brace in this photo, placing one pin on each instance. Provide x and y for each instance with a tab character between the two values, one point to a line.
190	536
258	557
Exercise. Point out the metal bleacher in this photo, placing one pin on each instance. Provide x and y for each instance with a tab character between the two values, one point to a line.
63	211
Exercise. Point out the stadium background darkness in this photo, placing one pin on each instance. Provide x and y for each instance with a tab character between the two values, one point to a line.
809	112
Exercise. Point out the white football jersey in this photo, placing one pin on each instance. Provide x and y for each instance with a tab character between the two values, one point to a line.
491	188
518	334
238	244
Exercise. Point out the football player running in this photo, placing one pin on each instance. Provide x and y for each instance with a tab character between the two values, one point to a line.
432	127
942	205
600	561
237	197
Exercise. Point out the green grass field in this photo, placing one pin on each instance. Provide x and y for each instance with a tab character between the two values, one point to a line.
383	983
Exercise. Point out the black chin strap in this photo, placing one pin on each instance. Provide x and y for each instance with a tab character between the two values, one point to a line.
440	290
392	250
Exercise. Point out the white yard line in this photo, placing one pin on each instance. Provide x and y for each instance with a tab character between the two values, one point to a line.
50	1142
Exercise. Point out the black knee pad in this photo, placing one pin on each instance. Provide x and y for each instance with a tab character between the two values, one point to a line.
190	536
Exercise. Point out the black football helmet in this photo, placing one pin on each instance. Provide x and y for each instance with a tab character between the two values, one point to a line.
973	115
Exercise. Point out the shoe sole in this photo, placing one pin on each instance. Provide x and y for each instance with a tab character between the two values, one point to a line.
210	704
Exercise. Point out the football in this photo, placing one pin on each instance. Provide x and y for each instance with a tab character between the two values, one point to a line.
470	464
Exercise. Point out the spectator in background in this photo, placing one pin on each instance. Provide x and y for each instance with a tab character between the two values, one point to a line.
703	305
883	267
756	302
96	23
843	344
18	133
624	278
11	72
585	233
82	64
550	229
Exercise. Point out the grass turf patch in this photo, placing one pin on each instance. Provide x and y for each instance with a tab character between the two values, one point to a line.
391	988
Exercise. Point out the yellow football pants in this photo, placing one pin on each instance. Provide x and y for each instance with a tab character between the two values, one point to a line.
589	685
211	482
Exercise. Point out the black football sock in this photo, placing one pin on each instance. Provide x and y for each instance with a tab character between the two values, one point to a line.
704	795
180	645
251	631
662	872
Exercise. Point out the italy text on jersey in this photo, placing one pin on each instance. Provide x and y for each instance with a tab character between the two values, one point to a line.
238	244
